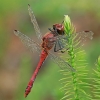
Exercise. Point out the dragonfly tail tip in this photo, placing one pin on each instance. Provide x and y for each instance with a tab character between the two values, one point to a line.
25	95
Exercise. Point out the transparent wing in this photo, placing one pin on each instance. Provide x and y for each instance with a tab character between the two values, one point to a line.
63	40
29	43
33	46
35	24
58	46
61	63
86	34
61	43
81	37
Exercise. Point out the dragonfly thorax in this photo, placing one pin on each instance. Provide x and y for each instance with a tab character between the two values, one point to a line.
48	41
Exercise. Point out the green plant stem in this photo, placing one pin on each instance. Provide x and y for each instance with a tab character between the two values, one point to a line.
72	62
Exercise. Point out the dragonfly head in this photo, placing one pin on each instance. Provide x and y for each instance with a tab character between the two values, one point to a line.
59	28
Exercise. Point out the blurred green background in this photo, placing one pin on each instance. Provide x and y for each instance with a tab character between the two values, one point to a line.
17	64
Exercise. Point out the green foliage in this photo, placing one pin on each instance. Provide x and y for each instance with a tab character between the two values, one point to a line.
14	15
74	84
96	81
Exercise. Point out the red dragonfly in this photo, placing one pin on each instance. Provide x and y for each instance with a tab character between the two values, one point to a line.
50	39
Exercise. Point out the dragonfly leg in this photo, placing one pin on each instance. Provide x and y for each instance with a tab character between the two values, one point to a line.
62	51
55	47
51	30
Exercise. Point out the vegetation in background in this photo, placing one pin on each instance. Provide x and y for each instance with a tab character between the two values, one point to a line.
14	15
76	84
96	81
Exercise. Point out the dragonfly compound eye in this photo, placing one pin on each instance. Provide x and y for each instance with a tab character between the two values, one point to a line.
59	28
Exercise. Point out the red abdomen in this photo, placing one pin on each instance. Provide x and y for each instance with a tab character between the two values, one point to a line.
43	56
